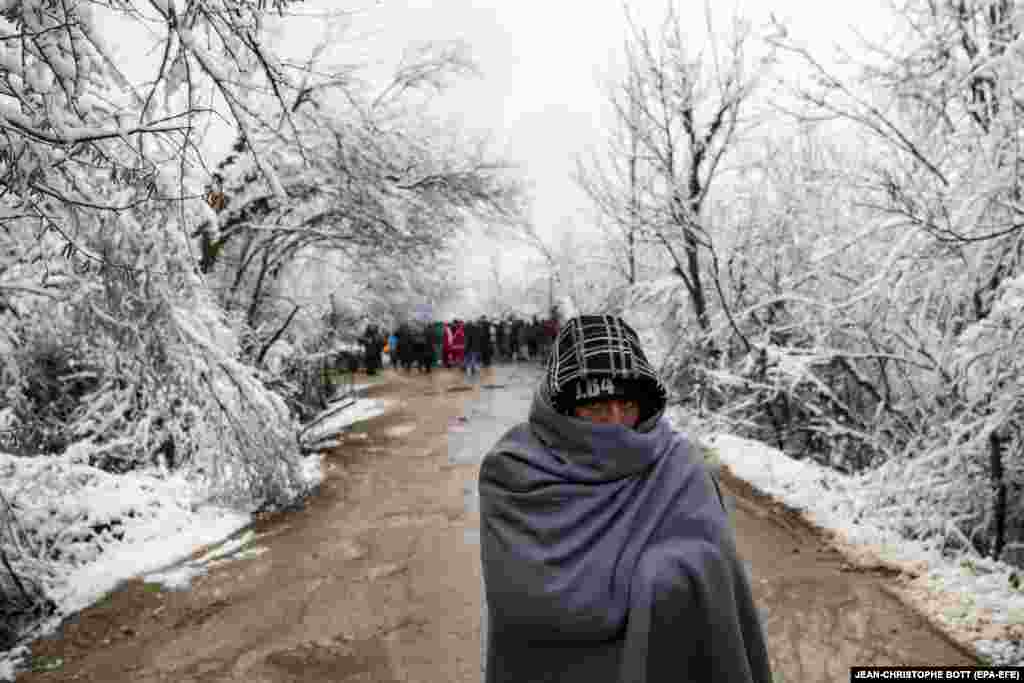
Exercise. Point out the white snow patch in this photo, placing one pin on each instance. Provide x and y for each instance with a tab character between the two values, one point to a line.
92	530
155	545
11	662
398	431
180	577
361	410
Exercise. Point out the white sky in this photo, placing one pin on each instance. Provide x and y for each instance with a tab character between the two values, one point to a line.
543	63
543	66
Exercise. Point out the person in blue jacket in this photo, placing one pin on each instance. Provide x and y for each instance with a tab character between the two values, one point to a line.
393	349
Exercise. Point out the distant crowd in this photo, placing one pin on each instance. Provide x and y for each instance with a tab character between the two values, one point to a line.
465	344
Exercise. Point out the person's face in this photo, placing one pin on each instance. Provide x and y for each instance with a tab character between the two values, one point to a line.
618	411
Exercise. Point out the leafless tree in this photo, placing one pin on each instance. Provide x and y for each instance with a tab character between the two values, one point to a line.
679	114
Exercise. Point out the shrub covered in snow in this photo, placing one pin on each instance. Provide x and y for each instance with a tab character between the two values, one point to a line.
134	314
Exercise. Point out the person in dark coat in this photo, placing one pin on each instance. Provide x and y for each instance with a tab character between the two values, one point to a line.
405	347
373	344
486	341
499	341
474	347
522	336
420	347
606	548
533	337
549	332
426	348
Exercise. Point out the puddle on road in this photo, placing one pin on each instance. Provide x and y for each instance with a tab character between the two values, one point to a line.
471	498
503	402
488	417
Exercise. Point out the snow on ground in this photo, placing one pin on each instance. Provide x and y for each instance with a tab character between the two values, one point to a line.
399	431
973	599
333	420
97	530
179	577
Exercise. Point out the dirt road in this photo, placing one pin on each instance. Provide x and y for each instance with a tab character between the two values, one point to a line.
377	580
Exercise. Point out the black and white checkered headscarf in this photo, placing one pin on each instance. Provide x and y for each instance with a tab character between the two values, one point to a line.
599	356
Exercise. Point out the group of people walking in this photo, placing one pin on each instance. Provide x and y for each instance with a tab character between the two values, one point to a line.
466	344
606	547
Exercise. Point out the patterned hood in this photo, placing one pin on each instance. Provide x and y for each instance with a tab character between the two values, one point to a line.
599	356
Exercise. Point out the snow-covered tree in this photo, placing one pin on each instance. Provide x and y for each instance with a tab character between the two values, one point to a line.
678	114
116	348
887	334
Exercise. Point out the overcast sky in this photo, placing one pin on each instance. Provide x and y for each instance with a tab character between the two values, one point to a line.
543	65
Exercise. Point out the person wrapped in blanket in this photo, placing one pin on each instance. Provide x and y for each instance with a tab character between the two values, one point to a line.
606	548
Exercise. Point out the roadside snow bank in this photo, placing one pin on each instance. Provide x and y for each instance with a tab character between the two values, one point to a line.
81	532
973	598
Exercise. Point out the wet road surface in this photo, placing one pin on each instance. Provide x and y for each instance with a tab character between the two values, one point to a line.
377	579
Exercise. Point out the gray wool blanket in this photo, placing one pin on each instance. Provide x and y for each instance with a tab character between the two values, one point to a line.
607	556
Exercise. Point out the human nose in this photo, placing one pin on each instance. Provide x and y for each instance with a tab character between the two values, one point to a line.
616	414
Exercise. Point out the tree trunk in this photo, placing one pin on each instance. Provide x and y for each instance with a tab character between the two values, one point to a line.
683	214
697	296
634	196
996	442
257	292
276	336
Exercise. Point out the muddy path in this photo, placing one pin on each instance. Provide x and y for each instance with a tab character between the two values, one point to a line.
377	579
373	581
823	614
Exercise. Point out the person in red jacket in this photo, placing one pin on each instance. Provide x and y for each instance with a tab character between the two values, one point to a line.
446	344
458	344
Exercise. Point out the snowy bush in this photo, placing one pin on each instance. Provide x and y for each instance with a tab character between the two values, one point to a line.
173	401
130	329
43	383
